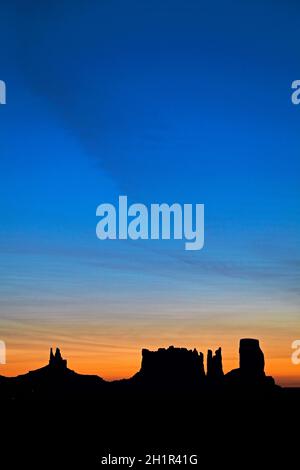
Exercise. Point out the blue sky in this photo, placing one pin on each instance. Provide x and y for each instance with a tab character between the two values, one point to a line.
164	101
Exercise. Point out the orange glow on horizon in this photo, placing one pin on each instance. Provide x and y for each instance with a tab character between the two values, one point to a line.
114	362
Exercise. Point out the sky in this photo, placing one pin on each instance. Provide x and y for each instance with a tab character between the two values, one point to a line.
162	101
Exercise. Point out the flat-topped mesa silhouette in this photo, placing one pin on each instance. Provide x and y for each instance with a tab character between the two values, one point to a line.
252	366
178	367
56	361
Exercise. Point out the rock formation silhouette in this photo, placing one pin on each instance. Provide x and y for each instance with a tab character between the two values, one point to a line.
252	361
214	365
165	373
56	360
172	367
251	373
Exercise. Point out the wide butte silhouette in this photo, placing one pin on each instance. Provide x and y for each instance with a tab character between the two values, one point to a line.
165	373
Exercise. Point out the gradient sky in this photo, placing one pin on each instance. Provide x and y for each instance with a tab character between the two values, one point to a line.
164	101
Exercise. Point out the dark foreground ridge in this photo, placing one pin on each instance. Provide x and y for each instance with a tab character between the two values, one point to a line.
165	373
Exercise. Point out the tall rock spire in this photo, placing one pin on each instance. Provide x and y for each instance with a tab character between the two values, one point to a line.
250	377
252	361
51	357
214	364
